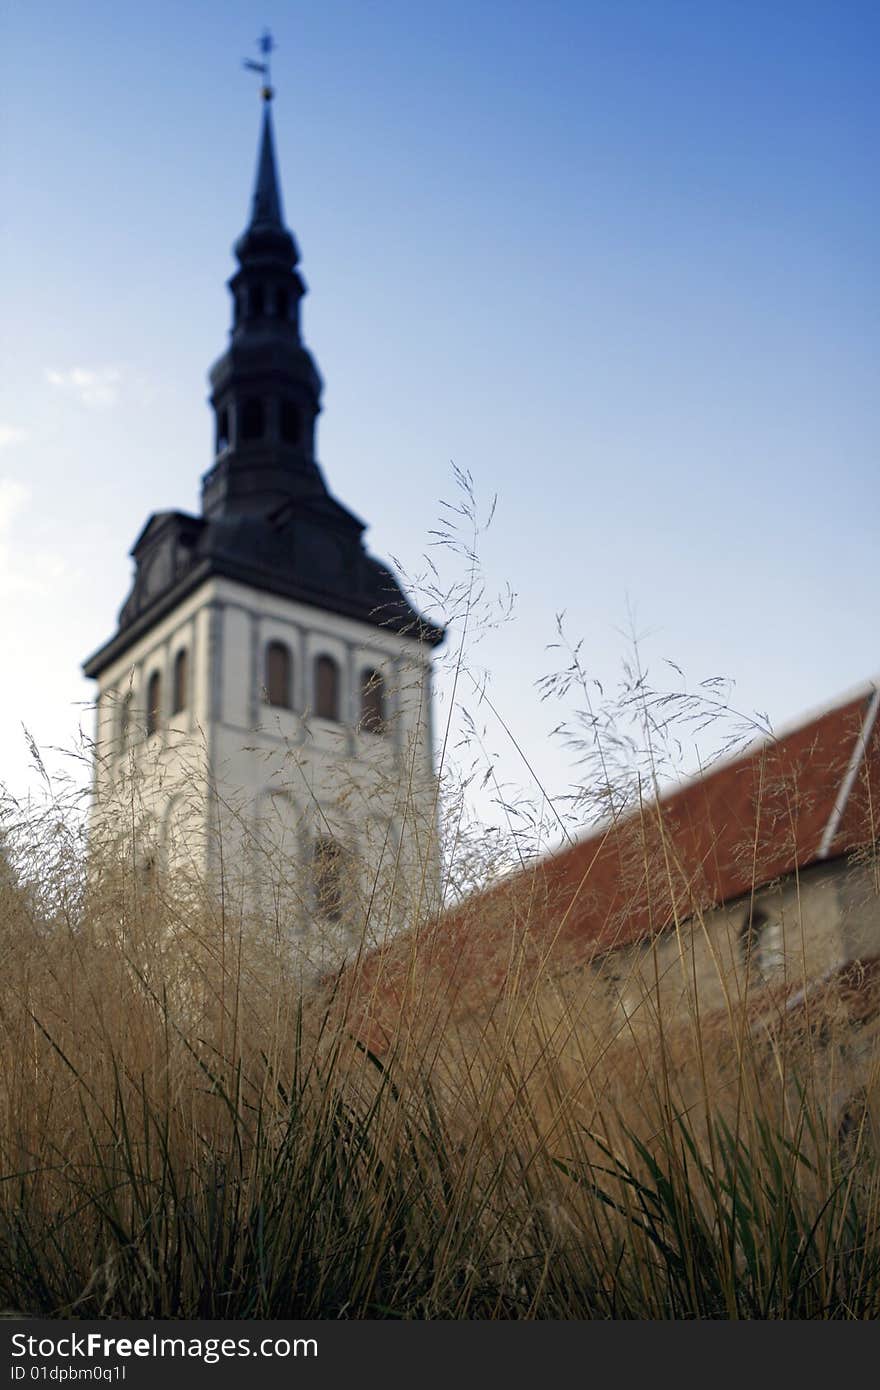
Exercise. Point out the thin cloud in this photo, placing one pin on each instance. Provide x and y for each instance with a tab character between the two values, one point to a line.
11	435
96	387
13	496
26	570
14	576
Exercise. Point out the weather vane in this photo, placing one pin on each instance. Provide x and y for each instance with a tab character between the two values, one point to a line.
265	44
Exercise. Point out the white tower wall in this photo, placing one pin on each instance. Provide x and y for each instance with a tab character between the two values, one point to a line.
236	791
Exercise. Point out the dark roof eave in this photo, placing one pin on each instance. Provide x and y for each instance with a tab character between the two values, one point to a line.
741	898
158	522
127	636
407	624
415	627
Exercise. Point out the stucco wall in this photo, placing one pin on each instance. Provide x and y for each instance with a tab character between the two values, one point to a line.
804	927
235	784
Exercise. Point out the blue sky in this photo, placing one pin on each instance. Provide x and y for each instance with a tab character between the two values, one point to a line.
618	260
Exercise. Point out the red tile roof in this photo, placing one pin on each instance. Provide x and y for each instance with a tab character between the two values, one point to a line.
781	806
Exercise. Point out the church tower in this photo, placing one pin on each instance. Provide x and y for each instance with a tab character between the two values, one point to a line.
264	707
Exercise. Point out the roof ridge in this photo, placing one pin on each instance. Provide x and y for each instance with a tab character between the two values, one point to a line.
861	690
855	761
866	690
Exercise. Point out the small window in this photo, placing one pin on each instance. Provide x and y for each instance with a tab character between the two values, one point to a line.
282	304
154	702
290	423
326	688
181	674
373	702
257	302
328	869
253	419
278	675
222	431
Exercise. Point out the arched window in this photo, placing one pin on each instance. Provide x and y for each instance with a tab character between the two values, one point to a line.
154	702
290	423
328	878
181	677
125	718
326	688
278	674
253	418
282	303
257	302
373	702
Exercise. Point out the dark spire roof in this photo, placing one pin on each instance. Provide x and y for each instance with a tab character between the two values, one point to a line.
266	210
268	519
266	234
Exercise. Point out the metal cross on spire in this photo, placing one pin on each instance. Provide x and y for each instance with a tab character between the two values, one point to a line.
266	45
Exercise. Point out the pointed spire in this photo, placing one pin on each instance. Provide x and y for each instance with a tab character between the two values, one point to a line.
266	234
266	211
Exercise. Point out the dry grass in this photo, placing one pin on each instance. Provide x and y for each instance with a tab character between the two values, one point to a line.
183	1134
434	1131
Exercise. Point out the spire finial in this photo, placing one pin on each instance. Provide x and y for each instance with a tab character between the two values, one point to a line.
266	213
266	45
